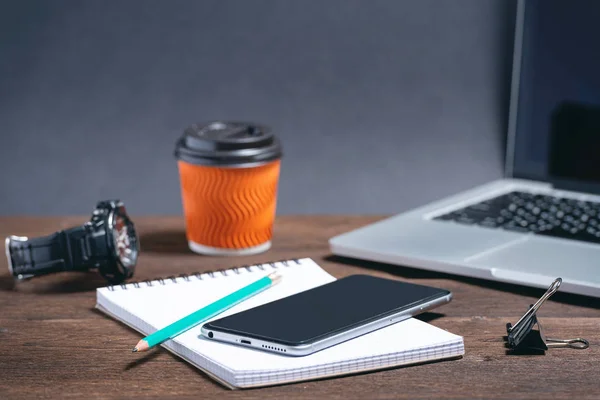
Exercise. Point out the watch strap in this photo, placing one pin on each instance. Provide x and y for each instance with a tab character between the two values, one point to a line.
68	250
37	256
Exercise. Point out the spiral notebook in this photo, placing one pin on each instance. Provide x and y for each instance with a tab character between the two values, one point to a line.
150	305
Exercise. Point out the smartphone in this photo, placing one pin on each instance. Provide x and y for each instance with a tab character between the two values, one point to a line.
324	316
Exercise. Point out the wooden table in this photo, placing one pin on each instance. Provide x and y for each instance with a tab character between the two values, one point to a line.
53	343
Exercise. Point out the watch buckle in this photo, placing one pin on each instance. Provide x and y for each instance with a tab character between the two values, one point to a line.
7	242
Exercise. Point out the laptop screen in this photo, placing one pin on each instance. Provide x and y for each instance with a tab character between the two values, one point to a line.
557	130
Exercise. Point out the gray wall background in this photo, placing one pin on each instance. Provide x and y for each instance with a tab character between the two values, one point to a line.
381	105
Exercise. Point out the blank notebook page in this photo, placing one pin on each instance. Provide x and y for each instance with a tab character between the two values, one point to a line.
148	307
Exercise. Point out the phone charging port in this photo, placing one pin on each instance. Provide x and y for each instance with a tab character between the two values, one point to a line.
245	341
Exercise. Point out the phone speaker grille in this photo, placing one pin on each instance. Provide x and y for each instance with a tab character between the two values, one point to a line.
274	348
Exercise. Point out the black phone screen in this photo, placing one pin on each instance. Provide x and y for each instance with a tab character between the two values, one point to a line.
326	310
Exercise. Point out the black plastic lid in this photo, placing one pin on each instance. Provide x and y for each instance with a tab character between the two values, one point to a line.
228	144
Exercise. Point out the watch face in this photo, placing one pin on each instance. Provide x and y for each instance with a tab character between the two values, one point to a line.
125	240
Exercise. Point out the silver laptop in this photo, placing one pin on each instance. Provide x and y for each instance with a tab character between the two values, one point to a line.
543	220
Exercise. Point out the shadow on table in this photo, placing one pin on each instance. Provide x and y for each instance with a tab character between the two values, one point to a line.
140	358
415	273
64	282
7	283
145	357
170	242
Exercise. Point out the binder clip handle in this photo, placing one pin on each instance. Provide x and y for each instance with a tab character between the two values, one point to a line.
533	309
577	343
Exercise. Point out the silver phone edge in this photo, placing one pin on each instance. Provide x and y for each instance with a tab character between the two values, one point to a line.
309	348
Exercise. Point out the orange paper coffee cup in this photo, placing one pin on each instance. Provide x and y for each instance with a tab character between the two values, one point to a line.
229	173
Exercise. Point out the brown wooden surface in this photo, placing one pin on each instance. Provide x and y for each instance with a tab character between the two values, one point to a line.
54	344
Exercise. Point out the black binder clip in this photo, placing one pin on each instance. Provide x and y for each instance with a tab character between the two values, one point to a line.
523	339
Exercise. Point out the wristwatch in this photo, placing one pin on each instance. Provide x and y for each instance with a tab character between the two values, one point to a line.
108	243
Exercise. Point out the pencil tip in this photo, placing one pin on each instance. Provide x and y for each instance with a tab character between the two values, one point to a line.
141	346
275	277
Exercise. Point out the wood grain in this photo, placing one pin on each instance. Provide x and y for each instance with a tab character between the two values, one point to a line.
54	344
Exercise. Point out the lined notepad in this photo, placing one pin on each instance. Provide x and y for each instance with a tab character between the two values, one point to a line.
151	305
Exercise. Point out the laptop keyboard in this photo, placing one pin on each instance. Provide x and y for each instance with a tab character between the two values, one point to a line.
534	213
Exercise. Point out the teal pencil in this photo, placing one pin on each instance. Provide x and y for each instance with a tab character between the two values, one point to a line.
206	313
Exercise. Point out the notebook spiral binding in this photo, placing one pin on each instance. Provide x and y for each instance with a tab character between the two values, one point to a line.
211	274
